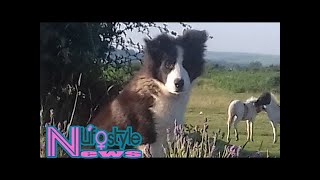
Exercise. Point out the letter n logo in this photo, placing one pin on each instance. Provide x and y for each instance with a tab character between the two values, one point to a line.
54	137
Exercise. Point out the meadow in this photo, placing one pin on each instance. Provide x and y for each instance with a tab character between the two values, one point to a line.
217	88
206	116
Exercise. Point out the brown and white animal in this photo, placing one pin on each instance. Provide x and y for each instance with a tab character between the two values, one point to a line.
270	105
158	93
242	111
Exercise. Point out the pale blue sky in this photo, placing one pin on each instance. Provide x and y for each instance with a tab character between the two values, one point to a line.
232	37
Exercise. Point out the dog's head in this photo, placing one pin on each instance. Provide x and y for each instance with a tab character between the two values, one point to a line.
176	62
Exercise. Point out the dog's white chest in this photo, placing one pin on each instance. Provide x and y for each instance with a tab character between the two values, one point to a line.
167	109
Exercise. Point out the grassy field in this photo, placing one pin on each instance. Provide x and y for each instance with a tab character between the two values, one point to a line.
213	102
211	95
241	81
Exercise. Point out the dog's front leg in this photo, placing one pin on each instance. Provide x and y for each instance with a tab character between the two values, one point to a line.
157	150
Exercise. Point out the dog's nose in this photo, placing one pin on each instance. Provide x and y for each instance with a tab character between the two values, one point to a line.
179	83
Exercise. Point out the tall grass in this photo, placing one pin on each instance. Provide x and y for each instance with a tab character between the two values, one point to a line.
187	142
241	81
194	142
62	127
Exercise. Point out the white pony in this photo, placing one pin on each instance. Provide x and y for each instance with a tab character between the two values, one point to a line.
270	105
242	111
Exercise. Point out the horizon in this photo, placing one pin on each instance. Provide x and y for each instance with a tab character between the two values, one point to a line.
256	38
258	53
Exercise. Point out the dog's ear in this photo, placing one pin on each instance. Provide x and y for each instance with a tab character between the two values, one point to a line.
146	40
184	31
160	42
195	36
150	45
157	47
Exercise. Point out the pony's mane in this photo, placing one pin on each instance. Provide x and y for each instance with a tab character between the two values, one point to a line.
274	98
251	99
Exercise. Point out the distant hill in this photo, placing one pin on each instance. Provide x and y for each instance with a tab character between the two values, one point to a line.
243	59
221	58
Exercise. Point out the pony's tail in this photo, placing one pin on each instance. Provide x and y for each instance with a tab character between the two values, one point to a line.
235	117
232	118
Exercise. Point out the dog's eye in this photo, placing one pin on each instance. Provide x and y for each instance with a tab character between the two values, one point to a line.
169	65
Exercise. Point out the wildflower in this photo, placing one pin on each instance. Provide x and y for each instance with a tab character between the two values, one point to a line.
42	146
147	151
180	129
51	117
168	134
41	111
65	124
51	113
176	129
59	126
234	151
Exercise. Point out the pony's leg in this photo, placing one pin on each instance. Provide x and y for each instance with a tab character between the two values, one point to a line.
235	123
229	123
228	134
274	128
248	130
251	131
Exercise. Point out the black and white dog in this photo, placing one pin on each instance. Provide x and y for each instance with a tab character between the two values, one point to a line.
158	93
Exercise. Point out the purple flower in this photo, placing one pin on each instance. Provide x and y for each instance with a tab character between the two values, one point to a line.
51	112
147	151
177	130
65	125
59	126
168	134
42	146
180	129
234	151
